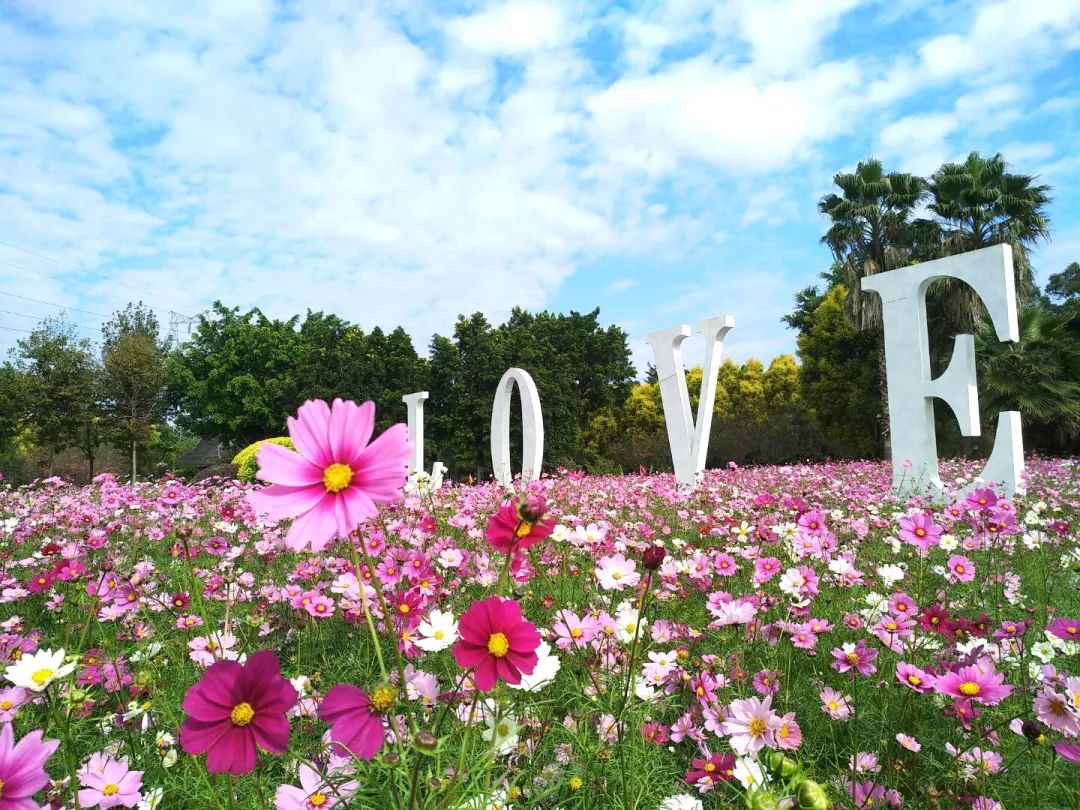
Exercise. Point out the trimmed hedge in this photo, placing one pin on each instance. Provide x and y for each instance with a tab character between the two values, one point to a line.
248	465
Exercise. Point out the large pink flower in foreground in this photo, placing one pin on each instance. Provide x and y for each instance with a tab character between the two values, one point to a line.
22	768
497	641
233	708
979	683
335	479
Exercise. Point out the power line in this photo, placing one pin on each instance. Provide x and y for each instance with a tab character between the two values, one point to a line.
83	270
40	318
13	329
33	272
51	304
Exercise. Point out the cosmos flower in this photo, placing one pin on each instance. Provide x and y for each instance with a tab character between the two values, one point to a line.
335	479
108	782
35	671
235	707
22	767
356	719
519	525
497	642
978	683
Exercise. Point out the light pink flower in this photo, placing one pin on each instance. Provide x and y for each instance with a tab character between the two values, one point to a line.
336	478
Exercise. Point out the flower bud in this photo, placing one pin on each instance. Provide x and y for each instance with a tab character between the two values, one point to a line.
812	796
779	765
760	800
532	509
653	557
425	742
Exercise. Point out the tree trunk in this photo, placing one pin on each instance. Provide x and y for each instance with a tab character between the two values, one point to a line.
883	385
133	444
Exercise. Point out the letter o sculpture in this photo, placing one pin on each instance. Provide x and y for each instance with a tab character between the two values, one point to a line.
532	428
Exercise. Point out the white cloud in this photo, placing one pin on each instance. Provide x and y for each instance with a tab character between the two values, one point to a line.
620	285
515	27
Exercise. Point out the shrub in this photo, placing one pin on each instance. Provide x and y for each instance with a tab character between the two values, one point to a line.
245	461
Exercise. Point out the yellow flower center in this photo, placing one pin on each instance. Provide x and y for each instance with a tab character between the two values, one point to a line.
110	789
503	729
498	645
439	635
317	799
1071	630
42	676
853	658
832	704
5	705
969	688
523	529
709	767
756	727
914	680
382	699
617	575
576	783
403	608
336	477
575	633
242	714
920	532
783	732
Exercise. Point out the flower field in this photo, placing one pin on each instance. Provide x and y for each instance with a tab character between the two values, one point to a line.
781	637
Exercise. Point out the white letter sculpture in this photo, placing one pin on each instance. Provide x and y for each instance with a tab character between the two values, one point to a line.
532	428
689	440
415	405
911	390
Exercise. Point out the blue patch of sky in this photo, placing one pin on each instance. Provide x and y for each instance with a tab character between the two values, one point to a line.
603	47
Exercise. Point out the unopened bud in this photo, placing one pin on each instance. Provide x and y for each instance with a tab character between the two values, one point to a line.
812	796
653	557
425	741
532	509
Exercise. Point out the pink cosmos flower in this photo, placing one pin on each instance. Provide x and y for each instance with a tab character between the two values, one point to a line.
1052	708
788	733
1066	629
232	708
11	700
615	573
920	531
22	768
855	658
835	704
909	742
573	632
497	642
108	782
914	678
976	683
314	793
960	569
336	478
752	725
356	719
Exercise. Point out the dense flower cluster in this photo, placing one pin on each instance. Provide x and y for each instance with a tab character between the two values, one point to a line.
782	634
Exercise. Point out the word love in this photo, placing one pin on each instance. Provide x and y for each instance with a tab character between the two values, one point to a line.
911	388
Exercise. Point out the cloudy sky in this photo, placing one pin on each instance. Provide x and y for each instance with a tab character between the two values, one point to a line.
404	162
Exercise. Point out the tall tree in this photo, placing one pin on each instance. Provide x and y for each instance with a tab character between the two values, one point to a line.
980	203
871	233
64	388
134	376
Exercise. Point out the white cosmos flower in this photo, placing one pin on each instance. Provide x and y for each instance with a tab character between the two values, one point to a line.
438	631
152	799
681	801
503	728
35	671
749	772
547	667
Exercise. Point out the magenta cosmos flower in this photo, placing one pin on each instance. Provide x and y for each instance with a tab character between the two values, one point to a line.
22	768
233	708
336	479
497	642
355	719
979	683
519	525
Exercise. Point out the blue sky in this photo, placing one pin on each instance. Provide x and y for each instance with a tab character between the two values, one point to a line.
405	162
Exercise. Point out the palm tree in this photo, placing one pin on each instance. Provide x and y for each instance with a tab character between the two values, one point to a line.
1038	376
871	233
979	203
